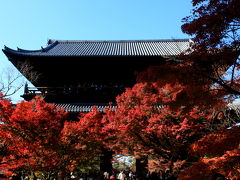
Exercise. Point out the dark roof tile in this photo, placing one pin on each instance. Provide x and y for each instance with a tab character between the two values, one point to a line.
109	48
87	107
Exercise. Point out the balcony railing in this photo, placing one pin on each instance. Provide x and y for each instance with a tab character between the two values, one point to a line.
75	91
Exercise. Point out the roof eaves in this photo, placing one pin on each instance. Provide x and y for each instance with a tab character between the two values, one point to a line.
20	51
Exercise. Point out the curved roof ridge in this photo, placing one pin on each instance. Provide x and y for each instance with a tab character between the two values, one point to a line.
49	46
31	51
20	51
25	50
50	41
9	49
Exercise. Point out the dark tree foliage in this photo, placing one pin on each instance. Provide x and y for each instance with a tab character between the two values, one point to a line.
215	27
214	23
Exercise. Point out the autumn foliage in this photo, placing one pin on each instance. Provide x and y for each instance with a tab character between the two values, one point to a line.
86	139
173	114
215	27
30	134
176	114
179	122
39	137
163	117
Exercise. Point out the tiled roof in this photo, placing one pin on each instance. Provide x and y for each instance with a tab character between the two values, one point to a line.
86	107
108	48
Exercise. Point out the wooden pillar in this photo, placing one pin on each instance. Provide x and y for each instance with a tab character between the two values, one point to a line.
141	168
106	162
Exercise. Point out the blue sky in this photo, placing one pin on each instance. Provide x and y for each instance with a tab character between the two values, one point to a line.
28	24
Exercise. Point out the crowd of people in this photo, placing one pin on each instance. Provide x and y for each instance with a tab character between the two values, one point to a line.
122	175
129	175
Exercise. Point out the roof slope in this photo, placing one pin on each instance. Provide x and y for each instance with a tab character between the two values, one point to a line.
108	48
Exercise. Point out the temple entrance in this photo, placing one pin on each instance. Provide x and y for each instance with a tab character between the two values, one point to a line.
124	166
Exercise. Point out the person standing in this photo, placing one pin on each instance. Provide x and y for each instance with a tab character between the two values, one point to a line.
106	175
121	176
130	175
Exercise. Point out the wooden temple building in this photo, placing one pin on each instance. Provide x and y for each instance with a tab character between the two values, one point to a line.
77	75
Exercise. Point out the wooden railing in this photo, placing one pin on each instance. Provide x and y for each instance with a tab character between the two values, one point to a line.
71	90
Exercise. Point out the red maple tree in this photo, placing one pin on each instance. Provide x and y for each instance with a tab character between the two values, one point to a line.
30	133
215	27
164	114
174	107
39	137
219	152
87	140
